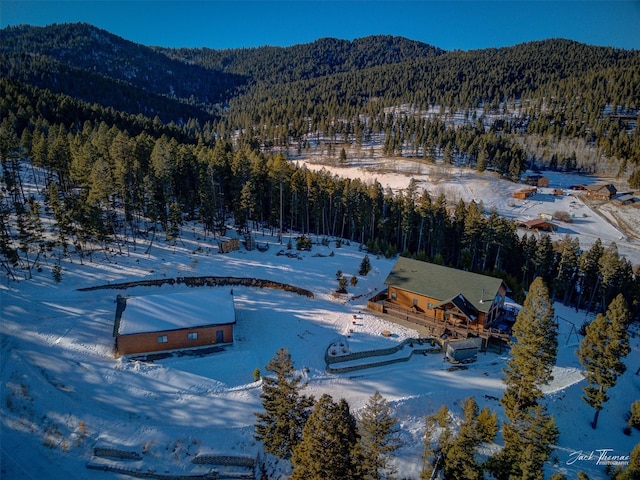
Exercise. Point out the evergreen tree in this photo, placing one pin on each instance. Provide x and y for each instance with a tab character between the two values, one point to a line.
429	453
564	284
529	430
327	449
632	470
378	432
286	411
459	459
601	352
365	266
536	338
590	274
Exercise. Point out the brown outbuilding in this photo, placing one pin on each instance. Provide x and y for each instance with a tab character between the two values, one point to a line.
173	321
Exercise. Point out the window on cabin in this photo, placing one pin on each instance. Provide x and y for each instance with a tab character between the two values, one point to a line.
415	302
192	335
163	339
394	296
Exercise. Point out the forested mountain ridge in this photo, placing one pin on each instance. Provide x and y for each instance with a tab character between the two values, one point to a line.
326	56
328	78
92	64
86	62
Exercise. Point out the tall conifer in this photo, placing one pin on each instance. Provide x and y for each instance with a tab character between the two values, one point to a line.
601	351
328	446
286	411
378	431
529	430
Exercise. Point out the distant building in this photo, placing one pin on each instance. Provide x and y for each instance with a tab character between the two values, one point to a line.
525	193
539	224
174	321
624	199
601	192
536	181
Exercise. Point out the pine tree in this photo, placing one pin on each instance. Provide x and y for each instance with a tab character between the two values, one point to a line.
564	283
529	430
365	266
428	453
459	459
601	351
286	411
632	470
536	338
327	449
378	432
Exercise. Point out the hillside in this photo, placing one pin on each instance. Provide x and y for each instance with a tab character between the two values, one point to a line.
85	62
123	162
65	393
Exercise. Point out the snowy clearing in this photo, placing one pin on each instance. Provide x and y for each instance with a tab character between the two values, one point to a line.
63	391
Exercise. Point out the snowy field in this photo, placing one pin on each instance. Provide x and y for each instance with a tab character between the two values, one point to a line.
604	220
63	390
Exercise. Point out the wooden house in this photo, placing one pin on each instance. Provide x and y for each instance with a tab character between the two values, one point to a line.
525	193
173	321
601	192
454	297
536	181
539	224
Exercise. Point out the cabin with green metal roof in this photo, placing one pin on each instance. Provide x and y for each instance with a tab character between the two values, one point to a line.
456	300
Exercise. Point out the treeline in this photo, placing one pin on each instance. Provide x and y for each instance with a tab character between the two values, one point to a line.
102	184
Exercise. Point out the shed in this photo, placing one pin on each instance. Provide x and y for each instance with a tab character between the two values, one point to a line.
624	199
539	224
536	180
462	351
525	193
173	321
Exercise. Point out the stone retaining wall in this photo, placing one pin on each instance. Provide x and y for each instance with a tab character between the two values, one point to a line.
212	475
208	281
431	345
226	460
109	452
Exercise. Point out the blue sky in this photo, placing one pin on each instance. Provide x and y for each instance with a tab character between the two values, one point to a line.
452	24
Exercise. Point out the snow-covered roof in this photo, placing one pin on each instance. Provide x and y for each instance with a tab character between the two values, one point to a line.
158	313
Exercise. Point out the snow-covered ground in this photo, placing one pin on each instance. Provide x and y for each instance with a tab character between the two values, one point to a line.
604	220
63	390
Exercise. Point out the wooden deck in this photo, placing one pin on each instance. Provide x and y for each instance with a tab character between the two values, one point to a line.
433	325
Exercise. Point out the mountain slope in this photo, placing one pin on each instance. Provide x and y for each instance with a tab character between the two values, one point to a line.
70	58
326	56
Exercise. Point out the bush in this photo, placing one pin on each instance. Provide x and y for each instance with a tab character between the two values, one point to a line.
563	216
56	271
303	243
